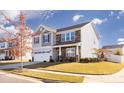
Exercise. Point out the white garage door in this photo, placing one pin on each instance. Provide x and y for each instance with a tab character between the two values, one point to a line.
42	57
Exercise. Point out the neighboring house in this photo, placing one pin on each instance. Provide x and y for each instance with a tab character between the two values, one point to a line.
6	53
69	43
116	53
114	48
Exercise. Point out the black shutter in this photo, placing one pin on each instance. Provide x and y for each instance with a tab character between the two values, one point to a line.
48	37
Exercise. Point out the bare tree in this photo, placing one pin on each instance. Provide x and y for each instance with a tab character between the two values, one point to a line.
21	41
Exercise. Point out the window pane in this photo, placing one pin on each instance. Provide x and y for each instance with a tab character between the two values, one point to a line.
72	36
62	37
70	52
36	40
46	38
2	45
67	36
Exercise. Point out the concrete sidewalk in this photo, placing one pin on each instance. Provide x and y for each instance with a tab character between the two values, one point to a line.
114	78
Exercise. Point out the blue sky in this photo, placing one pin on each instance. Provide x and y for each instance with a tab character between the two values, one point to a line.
109	24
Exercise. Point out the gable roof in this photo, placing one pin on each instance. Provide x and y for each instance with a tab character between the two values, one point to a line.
68	28
45	28
113	46
73	26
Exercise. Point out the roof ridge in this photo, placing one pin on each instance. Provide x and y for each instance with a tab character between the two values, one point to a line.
72	26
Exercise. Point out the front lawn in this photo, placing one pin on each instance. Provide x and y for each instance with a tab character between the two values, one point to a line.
85	68
42	65
50	76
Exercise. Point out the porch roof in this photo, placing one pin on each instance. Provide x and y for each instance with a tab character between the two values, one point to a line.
66	45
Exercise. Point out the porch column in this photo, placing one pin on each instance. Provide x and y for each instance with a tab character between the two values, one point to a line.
60	53
77	54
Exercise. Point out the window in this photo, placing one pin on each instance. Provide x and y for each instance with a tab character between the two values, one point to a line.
10	44
46	38
62	37
2	45
72	36
70	52
69	36
36	40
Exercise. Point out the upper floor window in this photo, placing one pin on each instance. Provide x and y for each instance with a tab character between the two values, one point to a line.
36	40
72	36
69	36
63	37
11	44
46	38
2	45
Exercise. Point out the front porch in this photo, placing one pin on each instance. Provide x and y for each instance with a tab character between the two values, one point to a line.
67	53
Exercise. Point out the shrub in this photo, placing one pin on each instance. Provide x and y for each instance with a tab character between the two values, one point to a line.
30	60
51	60
89	60
44	61
103	59
118	52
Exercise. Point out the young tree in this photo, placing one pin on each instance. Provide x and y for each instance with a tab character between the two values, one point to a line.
100	52
21	41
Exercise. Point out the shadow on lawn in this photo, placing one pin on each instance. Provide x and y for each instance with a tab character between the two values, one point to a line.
51	81
43	65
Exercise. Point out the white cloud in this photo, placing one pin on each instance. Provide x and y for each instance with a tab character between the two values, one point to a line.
29	14
121	12
77	17
43	14
111	13
99	21
120	43
121	30
120	40
11	29
12	14
118	17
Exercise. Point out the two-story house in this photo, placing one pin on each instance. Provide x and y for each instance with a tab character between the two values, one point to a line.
68	43
7	52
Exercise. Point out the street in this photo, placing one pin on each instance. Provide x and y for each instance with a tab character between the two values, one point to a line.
17	65
11	78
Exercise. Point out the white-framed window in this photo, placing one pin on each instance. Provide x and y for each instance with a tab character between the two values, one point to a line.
36	40
72	36
70	52
46	38
2	45
68	36
63	37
